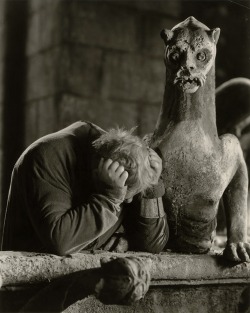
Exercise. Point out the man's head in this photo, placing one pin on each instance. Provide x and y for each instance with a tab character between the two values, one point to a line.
133	154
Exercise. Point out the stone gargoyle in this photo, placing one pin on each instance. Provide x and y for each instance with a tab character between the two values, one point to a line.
199	167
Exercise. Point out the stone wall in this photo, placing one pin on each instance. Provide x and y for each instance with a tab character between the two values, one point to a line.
97	61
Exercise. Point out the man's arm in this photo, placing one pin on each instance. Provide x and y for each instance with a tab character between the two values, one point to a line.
62	226
146	222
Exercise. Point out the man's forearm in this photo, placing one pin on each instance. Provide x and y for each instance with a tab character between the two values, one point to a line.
147	225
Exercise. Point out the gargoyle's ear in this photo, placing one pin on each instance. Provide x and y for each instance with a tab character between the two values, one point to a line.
167	35
215	34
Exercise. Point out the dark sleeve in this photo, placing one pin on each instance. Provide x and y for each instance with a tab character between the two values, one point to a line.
62	227
146	225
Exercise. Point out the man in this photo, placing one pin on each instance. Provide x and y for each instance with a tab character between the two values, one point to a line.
67	190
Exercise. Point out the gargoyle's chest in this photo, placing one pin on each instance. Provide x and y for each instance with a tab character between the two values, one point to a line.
191	167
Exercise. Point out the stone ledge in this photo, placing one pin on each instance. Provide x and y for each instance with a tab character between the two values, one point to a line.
22	268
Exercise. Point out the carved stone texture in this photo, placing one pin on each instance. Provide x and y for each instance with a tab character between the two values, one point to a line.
118	281
199	167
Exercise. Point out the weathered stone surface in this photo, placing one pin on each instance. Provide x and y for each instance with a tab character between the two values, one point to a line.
133	77
214	299
180	283
148	116
170	8
81	70
43	77
1	80
43	35
41	119
103	25
2	40
22	267
2	12
36	5
105	113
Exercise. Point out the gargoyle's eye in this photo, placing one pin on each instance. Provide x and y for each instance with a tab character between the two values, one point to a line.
174	57
201	56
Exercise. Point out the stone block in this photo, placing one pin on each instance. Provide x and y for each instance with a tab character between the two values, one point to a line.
171	300
170	8
31	131
43	74
167	268
46	28
104	113
2	12
36	5
1	80
102	24
74	69
41	119
148	117
133	77
2	42
81	69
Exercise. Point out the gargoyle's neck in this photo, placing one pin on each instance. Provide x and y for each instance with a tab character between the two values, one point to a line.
198	107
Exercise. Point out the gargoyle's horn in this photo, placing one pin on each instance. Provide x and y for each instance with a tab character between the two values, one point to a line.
215	34
166	35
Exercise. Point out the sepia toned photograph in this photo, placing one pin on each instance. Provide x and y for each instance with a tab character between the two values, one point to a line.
124	156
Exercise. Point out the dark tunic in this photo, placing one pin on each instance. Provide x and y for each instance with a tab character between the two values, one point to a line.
52	206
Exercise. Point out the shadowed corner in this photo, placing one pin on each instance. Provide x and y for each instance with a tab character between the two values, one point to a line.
244	302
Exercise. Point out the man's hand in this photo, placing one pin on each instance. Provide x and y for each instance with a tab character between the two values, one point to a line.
112	178
238	252
156	164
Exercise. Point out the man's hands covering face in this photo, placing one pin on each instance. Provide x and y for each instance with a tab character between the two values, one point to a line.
112	178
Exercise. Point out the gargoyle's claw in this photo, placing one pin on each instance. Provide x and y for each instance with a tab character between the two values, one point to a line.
237	252
242	252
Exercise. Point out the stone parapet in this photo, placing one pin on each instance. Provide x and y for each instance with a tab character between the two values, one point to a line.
18	268
180	283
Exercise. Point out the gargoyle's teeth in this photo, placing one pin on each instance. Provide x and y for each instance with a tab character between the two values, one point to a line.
202	81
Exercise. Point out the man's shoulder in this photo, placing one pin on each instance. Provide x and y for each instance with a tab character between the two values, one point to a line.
66	141
79	129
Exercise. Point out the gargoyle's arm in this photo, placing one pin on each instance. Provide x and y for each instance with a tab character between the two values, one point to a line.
235	201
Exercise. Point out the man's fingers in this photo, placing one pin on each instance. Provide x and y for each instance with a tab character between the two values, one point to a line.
114	166
124	177
120	170
107	164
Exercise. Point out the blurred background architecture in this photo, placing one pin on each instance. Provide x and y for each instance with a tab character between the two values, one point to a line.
102	61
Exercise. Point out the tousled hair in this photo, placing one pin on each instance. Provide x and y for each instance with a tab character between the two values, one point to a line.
130	151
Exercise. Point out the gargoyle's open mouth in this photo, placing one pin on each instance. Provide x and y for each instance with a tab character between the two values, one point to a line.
189	83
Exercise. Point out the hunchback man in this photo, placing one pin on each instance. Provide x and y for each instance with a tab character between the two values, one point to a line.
68	192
